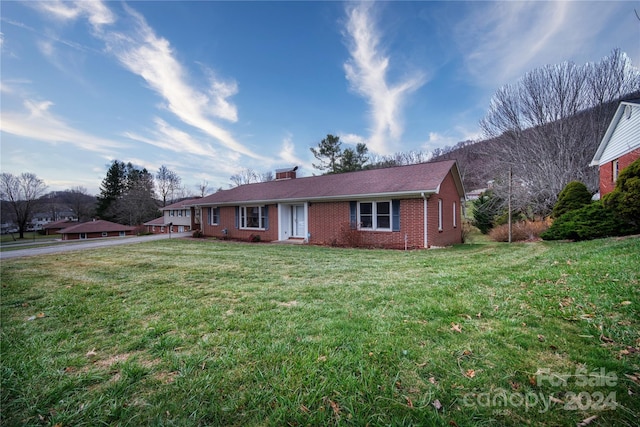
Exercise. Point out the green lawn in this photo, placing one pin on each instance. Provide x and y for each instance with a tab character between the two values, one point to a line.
198	332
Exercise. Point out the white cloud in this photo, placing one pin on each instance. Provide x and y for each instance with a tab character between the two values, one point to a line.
351	138
96	12
40	124
288	152
367	72
151	57
501	41
170	138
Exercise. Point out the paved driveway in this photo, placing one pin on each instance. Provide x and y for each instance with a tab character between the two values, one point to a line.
86	244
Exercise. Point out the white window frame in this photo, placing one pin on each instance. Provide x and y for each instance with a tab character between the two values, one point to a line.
455	216
105	234
243	217
439	214
374	215
214	219
615	170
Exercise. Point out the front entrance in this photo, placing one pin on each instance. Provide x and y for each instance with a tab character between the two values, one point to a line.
298	221
292	221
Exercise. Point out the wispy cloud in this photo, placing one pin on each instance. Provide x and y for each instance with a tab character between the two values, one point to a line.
502	41
167	137
97	13
367	72
141	51
38	123
288	152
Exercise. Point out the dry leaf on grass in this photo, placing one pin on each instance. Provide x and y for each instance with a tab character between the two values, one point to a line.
335	407
635	378
456	327
409	402
470	373
587	421
436	404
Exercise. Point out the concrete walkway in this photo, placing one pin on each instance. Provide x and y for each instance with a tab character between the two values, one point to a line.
81	245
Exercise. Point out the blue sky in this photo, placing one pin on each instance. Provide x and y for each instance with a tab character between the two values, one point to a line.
209	88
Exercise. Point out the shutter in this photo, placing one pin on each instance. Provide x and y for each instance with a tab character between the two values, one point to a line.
265	211
395	215
237	216
353	215
209	216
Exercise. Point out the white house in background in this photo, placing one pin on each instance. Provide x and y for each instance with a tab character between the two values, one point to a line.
620	146
176	218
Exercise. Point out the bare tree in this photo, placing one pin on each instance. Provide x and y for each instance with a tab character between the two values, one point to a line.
542	126
203	188
81	203
168	183
246	176
22	192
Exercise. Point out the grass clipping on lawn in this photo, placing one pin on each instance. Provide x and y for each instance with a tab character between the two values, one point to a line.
187	332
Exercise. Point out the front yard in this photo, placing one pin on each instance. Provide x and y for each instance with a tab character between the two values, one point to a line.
197	332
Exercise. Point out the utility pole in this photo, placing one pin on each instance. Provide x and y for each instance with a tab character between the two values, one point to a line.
510	175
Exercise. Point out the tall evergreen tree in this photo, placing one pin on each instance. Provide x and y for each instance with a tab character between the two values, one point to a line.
335	160
127	195
111	189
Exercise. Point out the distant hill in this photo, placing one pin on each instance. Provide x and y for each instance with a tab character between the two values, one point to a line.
479	160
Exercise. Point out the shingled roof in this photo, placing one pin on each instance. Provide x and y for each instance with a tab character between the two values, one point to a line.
401	181
98	226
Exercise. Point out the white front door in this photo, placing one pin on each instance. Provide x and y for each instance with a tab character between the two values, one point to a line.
298	221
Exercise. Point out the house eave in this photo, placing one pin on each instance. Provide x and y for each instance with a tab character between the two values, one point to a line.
416	194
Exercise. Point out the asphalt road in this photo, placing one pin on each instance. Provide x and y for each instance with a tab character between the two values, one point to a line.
86	244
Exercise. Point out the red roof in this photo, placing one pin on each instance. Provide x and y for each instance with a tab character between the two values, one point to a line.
401	181
180	205
99	226
59	224
157	221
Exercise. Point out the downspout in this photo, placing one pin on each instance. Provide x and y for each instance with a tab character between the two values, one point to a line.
426	223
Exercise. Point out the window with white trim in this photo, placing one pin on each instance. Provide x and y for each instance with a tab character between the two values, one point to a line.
374	215
455	216
252	217
439	214
615	170
214	216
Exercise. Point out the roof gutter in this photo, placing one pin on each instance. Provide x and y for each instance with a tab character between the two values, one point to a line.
395	195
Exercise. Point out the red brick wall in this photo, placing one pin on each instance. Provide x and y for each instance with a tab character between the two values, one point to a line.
607	184
228	220
449	234
329	225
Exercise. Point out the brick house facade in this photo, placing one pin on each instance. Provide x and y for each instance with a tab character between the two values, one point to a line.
96	229
415	206
620	145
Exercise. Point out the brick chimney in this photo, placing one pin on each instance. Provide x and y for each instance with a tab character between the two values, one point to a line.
287	173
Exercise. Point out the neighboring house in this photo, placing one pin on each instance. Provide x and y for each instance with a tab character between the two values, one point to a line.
96	229
176	218
55	227
41	219
415	206
620	146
